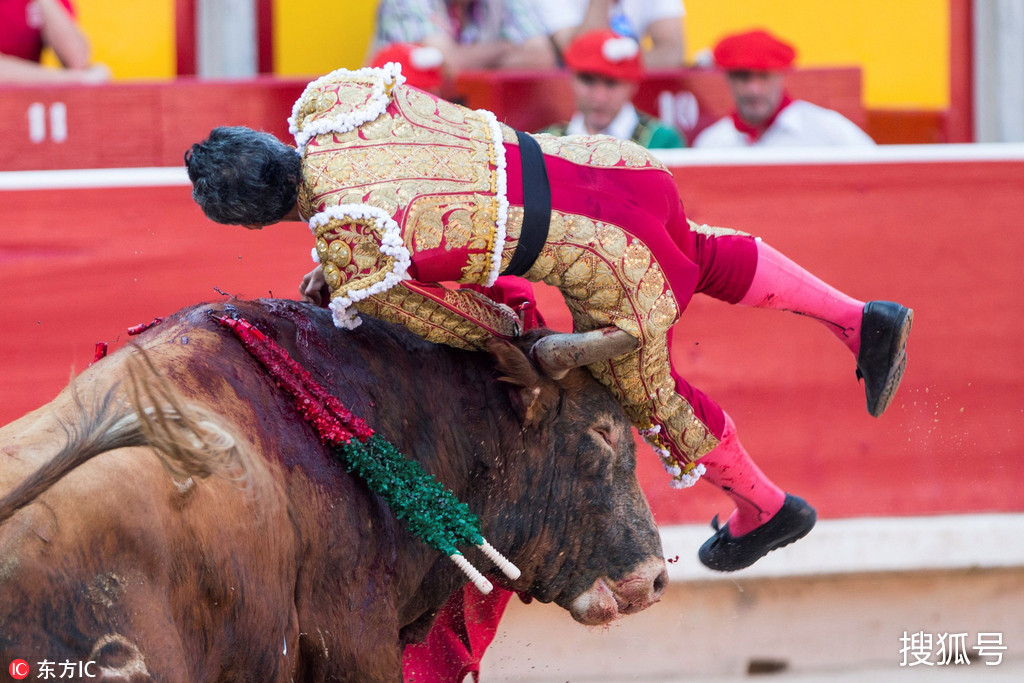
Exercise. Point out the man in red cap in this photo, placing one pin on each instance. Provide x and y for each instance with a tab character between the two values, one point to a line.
755	63
606	70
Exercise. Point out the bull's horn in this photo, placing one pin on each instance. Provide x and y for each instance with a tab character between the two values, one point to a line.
557	354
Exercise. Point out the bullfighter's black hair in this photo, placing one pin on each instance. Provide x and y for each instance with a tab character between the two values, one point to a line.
244	177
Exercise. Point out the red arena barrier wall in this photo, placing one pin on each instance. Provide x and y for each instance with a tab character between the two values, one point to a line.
80	266
134	124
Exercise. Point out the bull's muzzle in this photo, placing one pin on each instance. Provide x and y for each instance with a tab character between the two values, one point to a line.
606	600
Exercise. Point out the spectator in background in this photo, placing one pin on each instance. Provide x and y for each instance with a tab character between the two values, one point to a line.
606	69
656	24
471	34
755	63
28	26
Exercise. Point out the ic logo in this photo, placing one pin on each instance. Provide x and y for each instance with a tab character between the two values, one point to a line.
18	669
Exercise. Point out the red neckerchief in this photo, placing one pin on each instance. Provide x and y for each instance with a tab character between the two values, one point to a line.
754	133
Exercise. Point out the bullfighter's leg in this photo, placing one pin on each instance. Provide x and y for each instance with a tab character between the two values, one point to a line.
740	269
619	280
640	281
611	277
760	276
875	332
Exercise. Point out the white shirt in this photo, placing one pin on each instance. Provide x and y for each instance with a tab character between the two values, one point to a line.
562	14
801	124
621	127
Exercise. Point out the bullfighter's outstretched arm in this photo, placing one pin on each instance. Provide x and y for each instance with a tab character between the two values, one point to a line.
463	318
457	317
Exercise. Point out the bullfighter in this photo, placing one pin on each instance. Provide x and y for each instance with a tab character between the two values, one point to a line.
403	190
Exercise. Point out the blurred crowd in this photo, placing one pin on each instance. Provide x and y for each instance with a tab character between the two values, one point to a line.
607	46
27	27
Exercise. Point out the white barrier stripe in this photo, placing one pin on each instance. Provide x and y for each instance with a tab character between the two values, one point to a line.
876	544
77	179
880	154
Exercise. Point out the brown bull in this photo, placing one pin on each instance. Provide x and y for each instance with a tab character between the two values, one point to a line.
296	571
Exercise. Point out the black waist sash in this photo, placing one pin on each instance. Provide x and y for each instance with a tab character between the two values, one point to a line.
536	207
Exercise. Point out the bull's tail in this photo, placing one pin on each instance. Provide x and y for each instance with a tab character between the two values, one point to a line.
189	438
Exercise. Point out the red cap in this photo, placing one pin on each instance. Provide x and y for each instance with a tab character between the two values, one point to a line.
754	51
607	54
421	65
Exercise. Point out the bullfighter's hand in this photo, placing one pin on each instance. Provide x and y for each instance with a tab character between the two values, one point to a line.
314	288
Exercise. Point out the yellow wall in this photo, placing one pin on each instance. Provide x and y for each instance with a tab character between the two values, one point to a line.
903	46
135	38
312	37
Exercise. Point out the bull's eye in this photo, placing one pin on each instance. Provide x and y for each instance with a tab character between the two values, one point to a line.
606	434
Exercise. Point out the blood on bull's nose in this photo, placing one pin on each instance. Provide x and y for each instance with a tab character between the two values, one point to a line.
636	591
643	588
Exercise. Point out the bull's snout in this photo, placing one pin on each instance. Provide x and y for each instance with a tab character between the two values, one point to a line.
607	599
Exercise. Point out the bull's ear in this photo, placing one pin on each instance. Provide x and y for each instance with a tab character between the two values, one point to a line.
534	395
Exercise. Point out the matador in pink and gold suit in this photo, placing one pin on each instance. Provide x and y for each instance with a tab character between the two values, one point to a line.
402	189
447	183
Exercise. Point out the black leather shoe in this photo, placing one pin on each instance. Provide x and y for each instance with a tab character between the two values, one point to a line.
885	326
725	553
